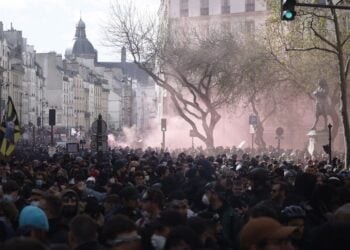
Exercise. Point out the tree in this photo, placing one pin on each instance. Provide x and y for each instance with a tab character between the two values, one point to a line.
263	88
325	32
189	65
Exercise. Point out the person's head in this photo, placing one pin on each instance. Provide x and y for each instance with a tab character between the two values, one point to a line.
33	223
204	228
10	190
35	196
129	196
23	243
214	195
278	191
51	205
237	188
294	216
178	202
182	238
311	169
82	229
8	210
265	234
70	203
139	178
39	180
111	203
152	200
121	233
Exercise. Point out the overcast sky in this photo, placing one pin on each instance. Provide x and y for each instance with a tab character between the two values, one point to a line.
49	25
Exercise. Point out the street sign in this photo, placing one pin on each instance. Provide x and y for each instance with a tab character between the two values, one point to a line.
192	134
103	127
252	129
253	120
279	131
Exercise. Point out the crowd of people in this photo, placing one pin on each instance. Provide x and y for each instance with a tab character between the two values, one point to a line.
131	199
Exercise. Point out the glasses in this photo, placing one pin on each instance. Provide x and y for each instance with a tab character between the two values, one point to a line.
69	198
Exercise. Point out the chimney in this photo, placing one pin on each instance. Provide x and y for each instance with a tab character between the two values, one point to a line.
123	55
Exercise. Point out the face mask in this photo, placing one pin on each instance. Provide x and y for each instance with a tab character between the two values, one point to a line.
205	200
158	242
90	184
35	203
39	183
69	211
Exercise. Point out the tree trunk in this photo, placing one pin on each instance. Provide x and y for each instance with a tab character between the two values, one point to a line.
209	141
343	92
335	117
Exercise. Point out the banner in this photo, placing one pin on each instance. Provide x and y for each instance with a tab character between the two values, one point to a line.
10	130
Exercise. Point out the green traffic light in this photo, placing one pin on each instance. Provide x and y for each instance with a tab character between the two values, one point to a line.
288	15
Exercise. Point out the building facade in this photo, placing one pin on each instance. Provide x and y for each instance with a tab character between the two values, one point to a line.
78	87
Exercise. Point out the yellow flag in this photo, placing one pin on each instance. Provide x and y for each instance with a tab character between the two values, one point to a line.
10	130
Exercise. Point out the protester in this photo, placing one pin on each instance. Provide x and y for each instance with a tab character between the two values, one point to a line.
134	199
266	234
33	223
83	233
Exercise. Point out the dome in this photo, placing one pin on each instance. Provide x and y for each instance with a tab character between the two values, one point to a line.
81	46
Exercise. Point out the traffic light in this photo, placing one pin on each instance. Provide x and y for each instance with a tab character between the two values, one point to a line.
288	10
163	124
52	117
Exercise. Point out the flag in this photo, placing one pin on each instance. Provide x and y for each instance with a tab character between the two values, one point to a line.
10	130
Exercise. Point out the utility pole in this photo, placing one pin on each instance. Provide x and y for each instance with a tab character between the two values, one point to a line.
330	143
1	83
99	134
68	132
33	136
131	100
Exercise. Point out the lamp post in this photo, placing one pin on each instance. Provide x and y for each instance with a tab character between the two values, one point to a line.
67	117
20	108
330	142
2	70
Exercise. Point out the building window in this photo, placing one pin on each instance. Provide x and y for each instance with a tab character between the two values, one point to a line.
249	5
204	7
184	8
225	7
